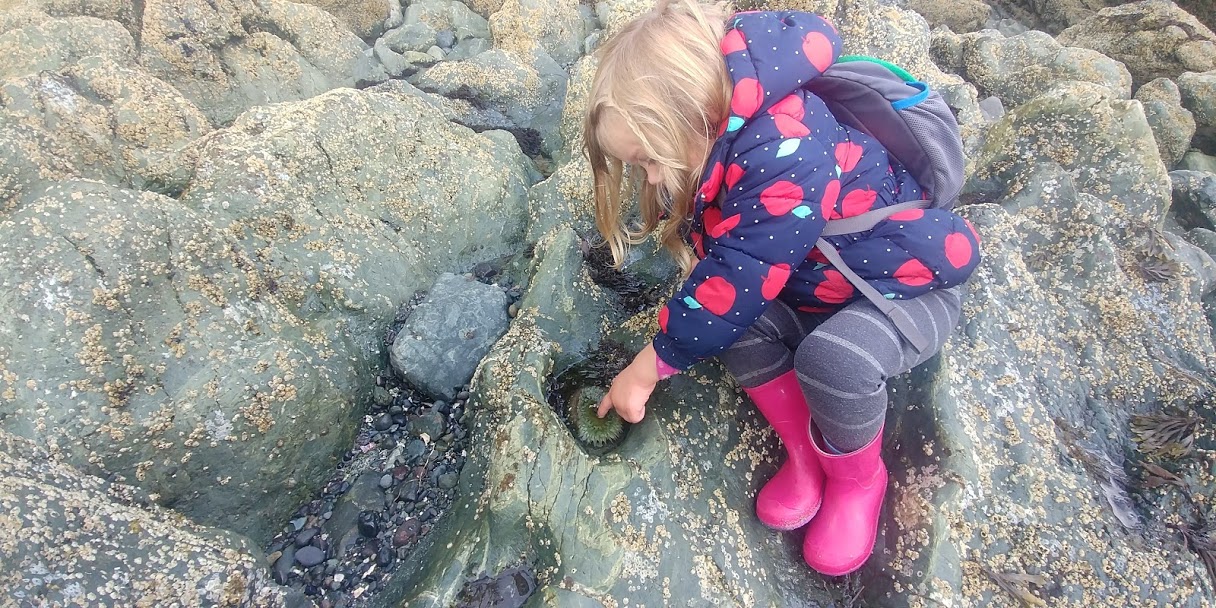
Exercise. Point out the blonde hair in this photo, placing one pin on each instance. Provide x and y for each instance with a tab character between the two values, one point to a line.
665	76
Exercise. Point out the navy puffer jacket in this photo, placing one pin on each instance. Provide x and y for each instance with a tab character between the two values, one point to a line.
781	167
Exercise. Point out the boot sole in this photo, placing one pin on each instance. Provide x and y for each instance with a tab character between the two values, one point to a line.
795	525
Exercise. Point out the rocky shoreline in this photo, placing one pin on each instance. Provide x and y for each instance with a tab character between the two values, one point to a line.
218	219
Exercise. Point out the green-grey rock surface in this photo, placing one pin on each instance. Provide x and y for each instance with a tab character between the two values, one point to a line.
447	334
69	539
1173	125
1153	38
206	231
177	342
1199	96
1018	68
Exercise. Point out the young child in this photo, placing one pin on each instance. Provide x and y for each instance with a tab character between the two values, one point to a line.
695	116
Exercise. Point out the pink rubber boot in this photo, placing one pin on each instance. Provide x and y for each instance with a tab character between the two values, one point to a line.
842	536
792	497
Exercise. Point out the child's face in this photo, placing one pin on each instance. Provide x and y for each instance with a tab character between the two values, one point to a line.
622	144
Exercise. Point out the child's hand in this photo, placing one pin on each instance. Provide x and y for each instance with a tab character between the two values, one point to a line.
632	387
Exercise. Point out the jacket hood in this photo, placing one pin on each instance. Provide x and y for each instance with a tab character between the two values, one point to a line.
772	54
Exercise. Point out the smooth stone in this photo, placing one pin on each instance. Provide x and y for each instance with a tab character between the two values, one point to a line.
386	481
431	423
309	556
383	422
448	481
381	396
406	532
408	491
305	537
369	524
282	566
414	451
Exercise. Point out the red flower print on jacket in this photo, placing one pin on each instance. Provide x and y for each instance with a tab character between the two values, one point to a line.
715	225
709	189
818	50
958	249
717	295
732	42
781	197
828	203
791	105
733	174
857	202
747	98
774	281
834	289
848	154
914	273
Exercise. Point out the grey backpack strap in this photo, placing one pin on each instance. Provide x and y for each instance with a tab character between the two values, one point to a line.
869	219
902	321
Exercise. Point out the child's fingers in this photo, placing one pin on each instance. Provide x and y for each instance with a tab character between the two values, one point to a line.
605	405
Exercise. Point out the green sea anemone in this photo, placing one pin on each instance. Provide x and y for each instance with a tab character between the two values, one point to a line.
588	428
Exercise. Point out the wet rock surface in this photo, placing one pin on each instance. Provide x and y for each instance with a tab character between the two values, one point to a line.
219	247
391	489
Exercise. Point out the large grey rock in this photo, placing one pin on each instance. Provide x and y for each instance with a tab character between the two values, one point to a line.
555	26
1194	196
1051	16
567	310
73	539
1105	144
180	363
449	332
1153	38
1197	161
960	16
198	342
229	55
1019	68
96	118
528	95
365	18
448	15
19	13
417	37
1199	96
55	43
1173	125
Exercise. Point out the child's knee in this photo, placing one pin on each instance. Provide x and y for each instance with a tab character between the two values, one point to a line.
835	369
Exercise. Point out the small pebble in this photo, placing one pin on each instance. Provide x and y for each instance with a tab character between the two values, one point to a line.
448	481
386	481
309	556
406	533
414	451
381	396
305	536
282	566
384	422
463	395
369	525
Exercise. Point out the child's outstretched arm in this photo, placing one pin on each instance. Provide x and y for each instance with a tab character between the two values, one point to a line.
632	387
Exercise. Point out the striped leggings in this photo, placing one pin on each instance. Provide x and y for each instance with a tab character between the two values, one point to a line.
843	359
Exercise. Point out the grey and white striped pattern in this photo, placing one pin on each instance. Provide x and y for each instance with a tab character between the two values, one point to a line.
843	360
